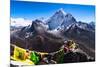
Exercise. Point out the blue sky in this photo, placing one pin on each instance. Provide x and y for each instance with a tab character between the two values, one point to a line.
33	10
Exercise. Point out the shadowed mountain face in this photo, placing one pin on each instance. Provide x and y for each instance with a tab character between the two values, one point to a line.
36	37
83	36
48	36
87	36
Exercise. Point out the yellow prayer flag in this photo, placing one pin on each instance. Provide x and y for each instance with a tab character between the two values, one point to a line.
19	53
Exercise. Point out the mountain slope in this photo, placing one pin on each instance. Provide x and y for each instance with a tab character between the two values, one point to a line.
84	37
48	36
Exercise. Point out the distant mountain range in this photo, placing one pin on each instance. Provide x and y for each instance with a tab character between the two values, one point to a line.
49	35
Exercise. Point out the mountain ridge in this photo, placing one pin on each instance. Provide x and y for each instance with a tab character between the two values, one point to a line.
50	35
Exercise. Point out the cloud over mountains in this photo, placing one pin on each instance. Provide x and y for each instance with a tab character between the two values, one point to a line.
20	22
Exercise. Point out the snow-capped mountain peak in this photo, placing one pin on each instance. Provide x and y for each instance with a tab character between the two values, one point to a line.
60	19
57	19
61	11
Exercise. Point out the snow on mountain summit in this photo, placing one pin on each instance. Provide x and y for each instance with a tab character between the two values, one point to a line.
69	19
60	18
57	19
61	11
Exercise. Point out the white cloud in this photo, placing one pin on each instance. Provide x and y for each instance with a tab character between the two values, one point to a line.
20	22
